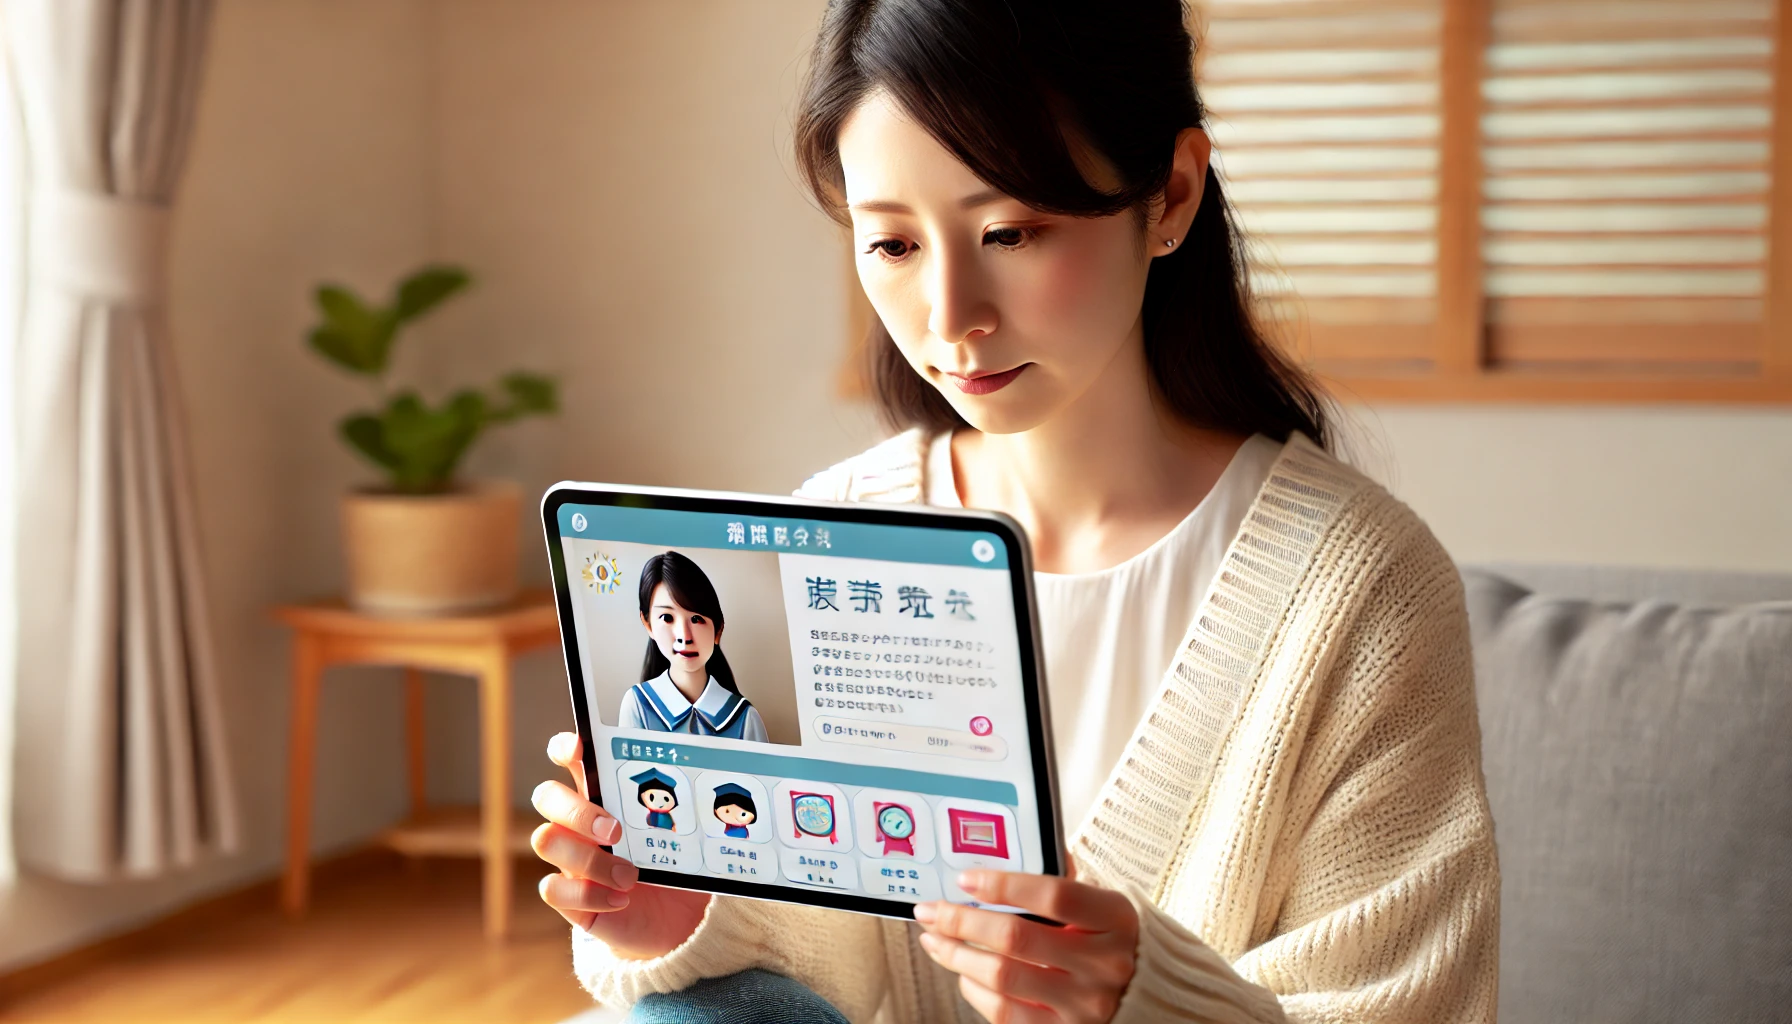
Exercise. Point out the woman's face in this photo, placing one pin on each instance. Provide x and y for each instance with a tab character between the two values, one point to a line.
685	637
1011	313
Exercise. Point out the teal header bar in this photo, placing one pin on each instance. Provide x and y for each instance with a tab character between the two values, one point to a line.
976	549
748	762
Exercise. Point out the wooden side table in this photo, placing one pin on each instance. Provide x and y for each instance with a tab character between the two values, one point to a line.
481	645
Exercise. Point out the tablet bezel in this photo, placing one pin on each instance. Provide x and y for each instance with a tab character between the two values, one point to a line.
1026	615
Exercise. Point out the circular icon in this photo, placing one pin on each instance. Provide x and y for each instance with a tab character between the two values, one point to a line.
896	822
814	814
982	550
579	522
981	726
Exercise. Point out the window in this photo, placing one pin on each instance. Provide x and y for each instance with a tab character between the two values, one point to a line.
1513	199
1325	121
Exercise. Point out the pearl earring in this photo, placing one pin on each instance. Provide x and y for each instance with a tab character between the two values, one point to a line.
1169	243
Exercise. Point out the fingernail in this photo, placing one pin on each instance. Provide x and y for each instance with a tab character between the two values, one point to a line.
618	899
625	875
929	943
925	913
970	881
607	830
560	746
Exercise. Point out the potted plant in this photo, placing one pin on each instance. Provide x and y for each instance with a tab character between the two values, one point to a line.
424	541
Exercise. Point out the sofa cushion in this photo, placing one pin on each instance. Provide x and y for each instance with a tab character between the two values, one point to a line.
1639	764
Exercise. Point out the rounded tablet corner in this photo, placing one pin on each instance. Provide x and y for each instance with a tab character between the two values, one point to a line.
554	496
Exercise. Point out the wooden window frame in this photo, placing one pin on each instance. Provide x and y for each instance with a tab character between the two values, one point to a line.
1456	358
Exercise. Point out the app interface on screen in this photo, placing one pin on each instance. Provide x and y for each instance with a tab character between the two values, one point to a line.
832	706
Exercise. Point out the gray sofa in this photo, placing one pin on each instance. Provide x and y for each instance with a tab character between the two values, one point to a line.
1637	734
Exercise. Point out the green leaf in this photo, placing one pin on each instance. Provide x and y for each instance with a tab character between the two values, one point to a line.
406	405
340	349
530	393
344	308
426	289
469	406
366	435
527	395
353	336
428	443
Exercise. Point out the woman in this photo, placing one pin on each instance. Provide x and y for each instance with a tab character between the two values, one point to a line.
1258	659
686	684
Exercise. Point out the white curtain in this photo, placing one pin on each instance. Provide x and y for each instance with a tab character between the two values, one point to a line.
12	236
120	759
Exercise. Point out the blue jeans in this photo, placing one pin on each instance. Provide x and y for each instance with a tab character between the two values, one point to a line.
750	997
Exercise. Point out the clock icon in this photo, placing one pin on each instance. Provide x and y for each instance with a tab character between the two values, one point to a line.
895	825
896	822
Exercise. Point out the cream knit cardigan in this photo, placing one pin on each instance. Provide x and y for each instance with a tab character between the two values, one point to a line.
1300	818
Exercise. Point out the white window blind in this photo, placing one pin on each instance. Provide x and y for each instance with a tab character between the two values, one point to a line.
1626	151
1325	120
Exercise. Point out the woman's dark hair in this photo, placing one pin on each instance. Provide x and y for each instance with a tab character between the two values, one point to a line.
1005	86
691	589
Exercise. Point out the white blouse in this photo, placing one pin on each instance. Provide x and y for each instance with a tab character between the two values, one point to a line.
1110	636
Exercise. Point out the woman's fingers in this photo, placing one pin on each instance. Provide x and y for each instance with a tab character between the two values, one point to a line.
578	895
562	806
578	856
565	750
1007	934
1003	975
583	920
1088	907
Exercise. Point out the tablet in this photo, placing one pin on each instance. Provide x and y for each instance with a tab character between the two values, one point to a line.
839	705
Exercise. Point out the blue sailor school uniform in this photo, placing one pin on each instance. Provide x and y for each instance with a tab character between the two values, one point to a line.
657	705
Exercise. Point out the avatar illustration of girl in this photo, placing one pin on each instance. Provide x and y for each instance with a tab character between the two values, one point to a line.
686	684
735	809
658	793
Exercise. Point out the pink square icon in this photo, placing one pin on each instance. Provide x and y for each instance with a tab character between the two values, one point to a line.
978	832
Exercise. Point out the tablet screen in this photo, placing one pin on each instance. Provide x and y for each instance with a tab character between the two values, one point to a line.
789	700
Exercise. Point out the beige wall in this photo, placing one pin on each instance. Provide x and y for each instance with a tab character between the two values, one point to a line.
1678	486
615	173
618	172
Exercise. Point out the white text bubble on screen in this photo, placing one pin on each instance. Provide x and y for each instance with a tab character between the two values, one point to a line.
920	739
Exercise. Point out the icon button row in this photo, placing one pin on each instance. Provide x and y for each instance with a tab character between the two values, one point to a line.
890	843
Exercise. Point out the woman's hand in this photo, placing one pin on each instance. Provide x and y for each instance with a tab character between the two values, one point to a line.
1015	970
597	891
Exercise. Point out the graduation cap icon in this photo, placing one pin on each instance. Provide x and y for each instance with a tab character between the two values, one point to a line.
653	776
733	789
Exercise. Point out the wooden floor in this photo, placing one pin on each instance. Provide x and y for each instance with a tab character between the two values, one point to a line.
394	943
